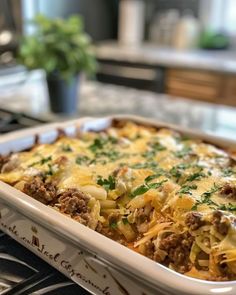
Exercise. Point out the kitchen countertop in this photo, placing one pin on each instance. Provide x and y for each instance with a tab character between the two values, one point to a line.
212	60
98	99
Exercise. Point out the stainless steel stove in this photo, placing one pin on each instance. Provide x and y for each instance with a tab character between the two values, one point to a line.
22	272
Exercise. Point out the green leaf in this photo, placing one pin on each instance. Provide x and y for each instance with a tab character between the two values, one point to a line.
183	153
54	47
98	144
108	184
228	172
82	159
157	146
227	207
142	189
154	176
186	189
196	176
206	198
113	225
146	165
125	221
42	161
66	148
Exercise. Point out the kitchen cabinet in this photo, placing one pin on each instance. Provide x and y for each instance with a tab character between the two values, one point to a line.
135	75
201	85
229	90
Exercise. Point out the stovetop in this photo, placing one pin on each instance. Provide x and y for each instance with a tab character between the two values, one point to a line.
22	272
10	121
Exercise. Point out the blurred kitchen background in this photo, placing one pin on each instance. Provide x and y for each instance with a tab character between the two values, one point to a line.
173	60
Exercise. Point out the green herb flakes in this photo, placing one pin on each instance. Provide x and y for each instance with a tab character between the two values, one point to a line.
227	207
108	184
113	225
186	189
183	153
125	221
82	159
142	189
196	176
228	172
206	198
66	148
42	161
97	145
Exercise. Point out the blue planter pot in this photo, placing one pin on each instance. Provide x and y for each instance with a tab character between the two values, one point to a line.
63	94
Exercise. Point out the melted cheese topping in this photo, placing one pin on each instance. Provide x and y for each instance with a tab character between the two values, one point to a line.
133	167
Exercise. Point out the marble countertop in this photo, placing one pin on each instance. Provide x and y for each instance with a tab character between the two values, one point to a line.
98	99
213	60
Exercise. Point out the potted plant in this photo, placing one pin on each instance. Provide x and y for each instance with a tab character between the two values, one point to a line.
63	50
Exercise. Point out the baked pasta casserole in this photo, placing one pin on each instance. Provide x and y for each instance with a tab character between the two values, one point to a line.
163	195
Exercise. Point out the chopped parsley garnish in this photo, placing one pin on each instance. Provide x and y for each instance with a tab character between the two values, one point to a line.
228	172
66	148
83	159
180	138
228	207
208	194
111	155
125	221
154	176
157	146
50	171
146	165
142	189
149	154
206	198
100	142
97	144
42	161
113	225
183	153
196	176
177	170
108	184
186	189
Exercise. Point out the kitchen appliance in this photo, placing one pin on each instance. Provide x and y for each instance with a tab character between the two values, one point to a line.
22	272
135	75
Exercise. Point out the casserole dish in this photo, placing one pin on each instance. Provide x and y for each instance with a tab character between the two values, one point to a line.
126	271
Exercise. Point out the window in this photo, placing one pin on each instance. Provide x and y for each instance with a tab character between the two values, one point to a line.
219	15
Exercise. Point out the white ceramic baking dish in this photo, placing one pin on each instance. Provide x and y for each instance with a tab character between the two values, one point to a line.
97	263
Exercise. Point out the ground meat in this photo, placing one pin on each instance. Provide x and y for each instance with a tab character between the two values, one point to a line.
61	161
228	191
149	249
111	232
73	202
84	218
194	220
220	222
178	247
3	161
41	191
142	218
